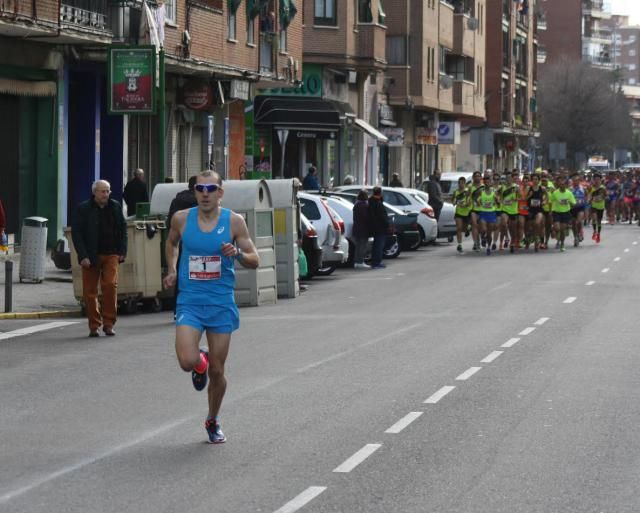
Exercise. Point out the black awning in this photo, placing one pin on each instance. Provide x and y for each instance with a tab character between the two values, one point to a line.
295	112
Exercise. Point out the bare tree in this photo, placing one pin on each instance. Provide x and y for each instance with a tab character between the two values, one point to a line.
584	107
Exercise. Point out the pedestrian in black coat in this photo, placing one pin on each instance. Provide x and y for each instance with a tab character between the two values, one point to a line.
135	192
379	227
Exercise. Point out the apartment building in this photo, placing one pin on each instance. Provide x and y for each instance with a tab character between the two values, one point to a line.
54	88
626	50
435	81
511	83
331	120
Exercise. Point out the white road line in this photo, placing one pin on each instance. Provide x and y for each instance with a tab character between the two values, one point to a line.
468	373
527	331
491	357
589	283
635	242
626	250
570	300
511	342
541	321
605	270
301	500
35	329
616	259
357	458
404	422
439	395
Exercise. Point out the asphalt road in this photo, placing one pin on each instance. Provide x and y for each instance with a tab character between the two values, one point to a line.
444	384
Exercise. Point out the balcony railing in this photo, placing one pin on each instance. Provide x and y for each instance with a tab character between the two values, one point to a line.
87	14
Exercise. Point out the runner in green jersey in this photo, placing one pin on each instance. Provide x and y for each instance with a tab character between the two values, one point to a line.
562	201
476	186
548	186
597	198
486	202
509	200
463	203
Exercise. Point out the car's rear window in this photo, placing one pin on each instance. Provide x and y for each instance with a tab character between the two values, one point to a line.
394	198
449	186
310	209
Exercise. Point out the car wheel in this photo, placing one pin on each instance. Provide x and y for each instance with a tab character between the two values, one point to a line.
326	271
392	251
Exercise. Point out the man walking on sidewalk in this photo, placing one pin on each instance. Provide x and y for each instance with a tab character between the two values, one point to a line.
99	235
213	239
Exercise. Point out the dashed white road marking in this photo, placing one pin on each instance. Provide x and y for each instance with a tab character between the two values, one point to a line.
511	342
404	422
635	242
301	500
527	331
616	259
605	270
541	321
570	299
357	458
439	395
468	373
35	329
589	283
626	250
491	357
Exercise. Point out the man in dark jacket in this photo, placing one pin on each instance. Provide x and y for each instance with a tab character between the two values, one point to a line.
184	199
435	193
379	223
135	192
99	236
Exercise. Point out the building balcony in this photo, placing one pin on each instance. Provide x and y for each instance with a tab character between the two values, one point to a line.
371	45
595	9
464	98
598	61
445	35
600	37
86	16
463	35
541	24
541	55
445	93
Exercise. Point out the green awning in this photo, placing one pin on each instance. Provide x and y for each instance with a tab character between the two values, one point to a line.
233	5
381	13
287	13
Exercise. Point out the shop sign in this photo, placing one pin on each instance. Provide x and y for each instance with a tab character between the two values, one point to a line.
449	132
196	95
321	134
311	84
385	114
426	136
395	136
240	89
131	71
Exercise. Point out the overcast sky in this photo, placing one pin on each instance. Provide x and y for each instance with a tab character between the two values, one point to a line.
630	7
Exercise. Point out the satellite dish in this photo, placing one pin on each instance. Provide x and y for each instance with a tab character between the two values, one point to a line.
446	82
473	23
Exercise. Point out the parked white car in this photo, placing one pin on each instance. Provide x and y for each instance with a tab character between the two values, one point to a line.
406	200
344	208
330	228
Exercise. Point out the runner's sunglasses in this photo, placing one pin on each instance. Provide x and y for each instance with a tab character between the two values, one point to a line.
209	187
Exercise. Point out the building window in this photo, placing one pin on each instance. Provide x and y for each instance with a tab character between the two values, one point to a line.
283	40
443	60
632	81
364	11
251	32
325	13
231	23
170	11
632	53
632	67
396	50
632	39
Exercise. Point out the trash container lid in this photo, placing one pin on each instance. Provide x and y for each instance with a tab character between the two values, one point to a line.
35	221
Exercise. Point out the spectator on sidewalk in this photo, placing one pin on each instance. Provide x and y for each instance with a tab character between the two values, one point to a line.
435	193
135	192
184	199
379	226
361	229
310	182
395	181
99	235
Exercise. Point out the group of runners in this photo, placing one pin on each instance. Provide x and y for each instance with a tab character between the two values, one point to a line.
516	211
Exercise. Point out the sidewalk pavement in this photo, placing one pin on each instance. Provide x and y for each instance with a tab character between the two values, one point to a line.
51	298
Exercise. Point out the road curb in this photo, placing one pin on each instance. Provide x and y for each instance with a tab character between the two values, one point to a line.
41	315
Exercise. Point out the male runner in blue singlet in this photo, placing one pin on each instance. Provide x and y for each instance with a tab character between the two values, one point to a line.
213	239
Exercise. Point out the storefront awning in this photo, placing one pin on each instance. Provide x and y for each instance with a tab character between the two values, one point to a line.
366	127
295	112
27	87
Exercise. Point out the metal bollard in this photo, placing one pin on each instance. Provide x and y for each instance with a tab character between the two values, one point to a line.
8	286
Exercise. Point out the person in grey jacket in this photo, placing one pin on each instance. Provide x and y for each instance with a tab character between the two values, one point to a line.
435	193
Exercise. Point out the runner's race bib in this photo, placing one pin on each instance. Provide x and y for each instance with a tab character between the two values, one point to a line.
564	201
535	202
487	204
205	267
507	202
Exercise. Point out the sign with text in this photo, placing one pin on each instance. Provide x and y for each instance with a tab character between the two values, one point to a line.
427	136
131	73
449	132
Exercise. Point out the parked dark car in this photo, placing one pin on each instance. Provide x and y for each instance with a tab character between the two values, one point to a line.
310	246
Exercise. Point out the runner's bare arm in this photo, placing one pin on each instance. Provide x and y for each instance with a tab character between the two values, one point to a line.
170	252
249	254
